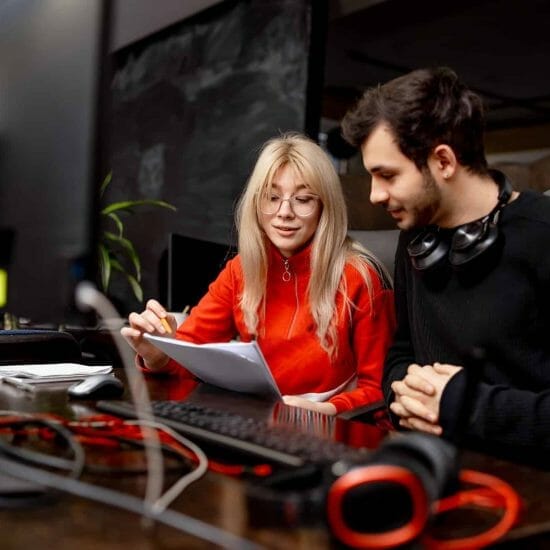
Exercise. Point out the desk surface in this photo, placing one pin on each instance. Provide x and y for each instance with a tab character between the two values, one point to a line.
69	522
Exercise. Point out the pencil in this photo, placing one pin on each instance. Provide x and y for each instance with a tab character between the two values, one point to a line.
166	325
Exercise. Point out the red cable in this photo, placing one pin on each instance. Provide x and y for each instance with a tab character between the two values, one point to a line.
108	431
117	428
494	493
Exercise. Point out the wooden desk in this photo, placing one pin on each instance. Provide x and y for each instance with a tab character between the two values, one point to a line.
70	522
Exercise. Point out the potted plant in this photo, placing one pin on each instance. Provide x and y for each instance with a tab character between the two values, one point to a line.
116	252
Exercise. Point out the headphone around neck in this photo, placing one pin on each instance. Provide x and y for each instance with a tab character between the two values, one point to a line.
468	242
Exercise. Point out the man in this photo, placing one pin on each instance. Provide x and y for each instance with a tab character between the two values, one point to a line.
471	356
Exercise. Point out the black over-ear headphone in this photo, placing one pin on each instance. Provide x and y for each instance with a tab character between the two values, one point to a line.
378	501
386	501
469	241
385	498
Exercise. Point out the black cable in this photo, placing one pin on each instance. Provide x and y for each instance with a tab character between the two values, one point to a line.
171	518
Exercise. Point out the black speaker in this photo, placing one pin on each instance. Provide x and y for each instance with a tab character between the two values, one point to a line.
468	242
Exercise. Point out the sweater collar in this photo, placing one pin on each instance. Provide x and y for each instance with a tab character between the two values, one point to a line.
298	263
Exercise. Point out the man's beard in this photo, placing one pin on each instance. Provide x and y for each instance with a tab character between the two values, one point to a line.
428	203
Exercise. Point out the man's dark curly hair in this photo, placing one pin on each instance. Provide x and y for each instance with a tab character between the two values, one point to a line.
423	109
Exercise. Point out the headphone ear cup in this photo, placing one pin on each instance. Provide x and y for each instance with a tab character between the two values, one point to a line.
388	499
431	458
471	240
377	506
427	249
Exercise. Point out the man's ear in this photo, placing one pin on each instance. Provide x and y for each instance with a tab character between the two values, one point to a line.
443	161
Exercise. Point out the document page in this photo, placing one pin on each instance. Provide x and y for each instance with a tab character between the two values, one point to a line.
235	366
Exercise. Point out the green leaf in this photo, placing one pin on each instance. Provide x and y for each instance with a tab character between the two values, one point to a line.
136	287
121	206
116	265
114	247
104	267
128	248
133	282
105	183
118	222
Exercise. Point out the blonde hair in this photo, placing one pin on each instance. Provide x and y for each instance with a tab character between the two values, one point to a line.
331	247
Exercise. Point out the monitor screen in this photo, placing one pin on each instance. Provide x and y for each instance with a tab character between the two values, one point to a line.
192	265
52	55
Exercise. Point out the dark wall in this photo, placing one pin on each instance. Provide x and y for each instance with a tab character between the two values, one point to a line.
191	107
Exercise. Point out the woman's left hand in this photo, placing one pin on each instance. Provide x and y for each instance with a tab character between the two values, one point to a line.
295	401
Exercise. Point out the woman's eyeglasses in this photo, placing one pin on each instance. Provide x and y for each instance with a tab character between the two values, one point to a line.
303	204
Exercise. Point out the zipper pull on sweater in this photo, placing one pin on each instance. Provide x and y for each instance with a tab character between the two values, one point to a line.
286	275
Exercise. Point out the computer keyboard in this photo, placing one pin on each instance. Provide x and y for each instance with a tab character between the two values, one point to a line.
280	444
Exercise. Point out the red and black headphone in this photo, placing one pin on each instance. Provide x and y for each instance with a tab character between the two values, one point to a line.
388	499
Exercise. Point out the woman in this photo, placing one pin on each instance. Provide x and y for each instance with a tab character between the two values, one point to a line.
318	304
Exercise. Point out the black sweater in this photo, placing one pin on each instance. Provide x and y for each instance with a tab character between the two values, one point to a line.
492	317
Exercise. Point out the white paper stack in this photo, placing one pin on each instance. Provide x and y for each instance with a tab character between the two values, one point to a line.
50	372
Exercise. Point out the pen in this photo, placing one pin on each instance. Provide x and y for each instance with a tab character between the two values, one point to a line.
166	325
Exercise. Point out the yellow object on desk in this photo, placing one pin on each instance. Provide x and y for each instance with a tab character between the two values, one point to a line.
3	287
166	325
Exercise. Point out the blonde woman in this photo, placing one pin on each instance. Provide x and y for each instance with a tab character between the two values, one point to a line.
318	304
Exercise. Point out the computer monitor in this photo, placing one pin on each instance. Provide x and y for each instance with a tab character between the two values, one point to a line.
52	62
192	265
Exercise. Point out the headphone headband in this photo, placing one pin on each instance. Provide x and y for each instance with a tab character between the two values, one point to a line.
504	187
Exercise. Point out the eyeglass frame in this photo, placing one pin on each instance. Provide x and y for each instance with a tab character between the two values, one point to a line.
317	199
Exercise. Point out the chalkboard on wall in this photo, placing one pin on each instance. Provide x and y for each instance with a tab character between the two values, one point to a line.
191	107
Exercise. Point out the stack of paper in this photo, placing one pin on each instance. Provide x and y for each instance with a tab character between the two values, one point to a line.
23	375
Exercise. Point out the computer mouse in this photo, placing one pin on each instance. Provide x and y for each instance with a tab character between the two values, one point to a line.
98	386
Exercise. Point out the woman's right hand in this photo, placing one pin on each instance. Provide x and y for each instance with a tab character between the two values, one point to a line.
150	321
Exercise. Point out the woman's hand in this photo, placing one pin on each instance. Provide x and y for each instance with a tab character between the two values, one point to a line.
295	401
154	320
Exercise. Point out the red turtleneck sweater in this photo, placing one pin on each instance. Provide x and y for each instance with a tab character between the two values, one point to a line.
287	334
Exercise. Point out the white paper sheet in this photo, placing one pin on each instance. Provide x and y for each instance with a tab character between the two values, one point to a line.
235	366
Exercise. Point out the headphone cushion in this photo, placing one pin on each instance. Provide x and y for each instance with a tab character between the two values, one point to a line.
389	496
431	458
427	249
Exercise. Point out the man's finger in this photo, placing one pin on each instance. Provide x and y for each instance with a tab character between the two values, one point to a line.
416	408
399	410
400	388
415	423
445	368
418	383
